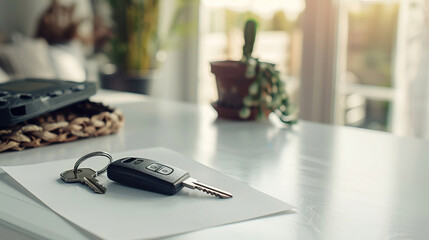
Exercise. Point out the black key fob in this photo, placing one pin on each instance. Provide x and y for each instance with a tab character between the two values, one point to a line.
147	174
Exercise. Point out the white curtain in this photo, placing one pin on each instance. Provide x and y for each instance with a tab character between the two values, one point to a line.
419	90
420	87
177	77
411	105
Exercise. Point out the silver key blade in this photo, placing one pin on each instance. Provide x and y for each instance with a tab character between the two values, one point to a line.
192	183
93	184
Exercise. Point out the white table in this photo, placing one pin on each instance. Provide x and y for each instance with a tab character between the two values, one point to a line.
346	183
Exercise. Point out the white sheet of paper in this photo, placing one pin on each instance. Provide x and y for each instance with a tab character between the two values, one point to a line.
128	213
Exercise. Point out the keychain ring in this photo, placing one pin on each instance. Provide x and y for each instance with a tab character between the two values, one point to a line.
94	154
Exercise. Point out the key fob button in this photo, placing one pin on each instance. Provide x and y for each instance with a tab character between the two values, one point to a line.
165	170
154	167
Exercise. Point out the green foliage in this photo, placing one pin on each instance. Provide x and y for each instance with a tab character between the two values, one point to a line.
280	22
249	38
268	91
135	25
137	38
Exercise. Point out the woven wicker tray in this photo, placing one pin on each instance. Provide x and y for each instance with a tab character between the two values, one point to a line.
81	120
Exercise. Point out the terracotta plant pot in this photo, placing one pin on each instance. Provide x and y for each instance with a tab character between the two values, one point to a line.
232	86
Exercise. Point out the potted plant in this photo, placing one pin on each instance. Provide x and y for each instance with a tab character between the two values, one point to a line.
250	89
140	40
132	49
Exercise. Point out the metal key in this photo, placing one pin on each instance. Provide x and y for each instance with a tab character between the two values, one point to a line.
85	176
153	176
193	183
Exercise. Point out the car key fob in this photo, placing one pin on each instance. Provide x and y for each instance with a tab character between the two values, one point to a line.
147	174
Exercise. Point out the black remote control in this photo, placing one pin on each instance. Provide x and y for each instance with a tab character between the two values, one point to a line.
24	99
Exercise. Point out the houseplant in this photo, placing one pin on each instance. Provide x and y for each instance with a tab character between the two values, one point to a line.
250	89
144	31
132	47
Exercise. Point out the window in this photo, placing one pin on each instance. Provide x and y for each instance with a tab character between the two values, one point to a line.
385	82
279	37
364	63
365	93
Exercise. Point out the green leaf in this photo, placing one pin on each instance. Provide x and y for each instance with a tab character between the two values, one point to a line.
254	88
249	37
274	89
244	112
248	101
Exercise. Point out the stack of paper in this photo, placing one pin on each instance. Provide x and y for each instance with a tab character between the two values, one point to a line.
128	213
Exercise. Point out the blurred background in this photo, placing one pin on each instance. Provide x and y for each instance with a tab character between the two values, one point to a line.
357	63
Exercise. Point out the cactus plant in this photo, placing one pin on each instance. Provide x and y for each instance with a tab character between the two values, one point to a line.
249	38
268	92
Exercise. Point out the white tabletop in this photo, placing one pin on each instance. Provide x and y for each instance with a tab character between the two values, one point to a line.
346	183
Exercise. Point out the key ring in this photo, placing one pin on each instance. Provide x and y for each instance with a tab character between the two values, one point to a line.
93	154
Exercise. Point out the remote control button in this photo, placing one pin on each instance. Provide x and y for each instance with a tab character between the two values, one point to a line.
45	98
3	102
78	88
154	167
3	93
59	92
165	170
56	93
25	96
